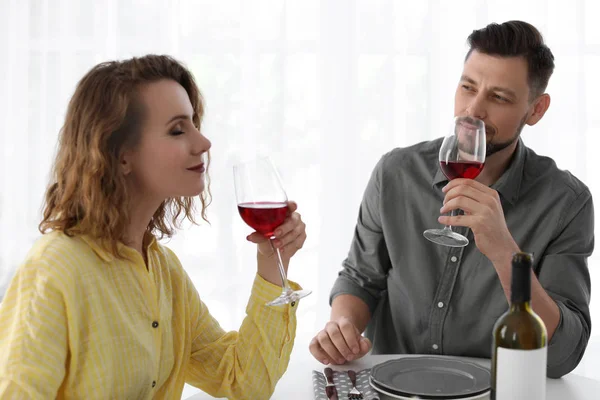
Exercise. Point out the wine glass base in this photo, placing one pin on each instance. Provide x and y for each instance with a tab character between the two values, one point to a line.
289	297
446	237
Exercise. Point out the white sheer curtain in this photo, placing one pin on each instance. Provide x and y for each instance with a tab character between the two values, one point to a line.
324	87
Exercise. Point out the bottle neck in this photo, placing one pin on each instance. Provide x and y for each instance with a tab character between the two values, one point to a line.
520	288
524	306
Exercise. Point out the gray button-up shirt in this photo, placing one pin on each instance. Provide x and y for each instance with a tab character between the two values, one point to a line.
427	298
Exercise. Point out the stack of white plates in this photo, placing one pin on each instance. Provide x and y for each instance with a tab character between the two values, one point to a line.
431	377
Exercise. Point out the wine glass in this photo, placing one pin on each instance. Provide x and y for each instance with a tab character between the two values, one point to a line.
262	204
462	155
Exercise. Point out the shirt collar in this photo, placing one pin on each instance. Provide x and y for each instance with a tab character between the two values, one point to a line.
509	184
102	247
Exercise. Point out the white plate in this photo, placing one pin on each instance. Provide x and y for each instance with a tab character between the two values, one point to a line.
432	377
483	396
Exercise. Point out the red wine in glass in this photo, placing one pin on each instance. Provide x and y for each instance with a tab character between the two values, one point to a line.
461	169
263	216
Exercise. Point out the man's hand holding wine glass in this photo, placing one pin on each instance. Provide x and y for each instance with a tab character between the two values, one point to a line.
289	238
483	214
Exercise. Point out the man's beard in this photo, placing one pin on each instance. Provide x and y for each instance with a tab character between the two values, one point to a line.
492	148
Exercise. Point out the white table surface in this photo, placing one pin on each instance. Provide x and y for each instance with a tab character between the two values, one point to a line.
296	383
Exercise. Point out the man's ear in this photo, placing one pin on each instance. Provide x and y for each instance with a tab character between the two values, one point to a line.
539	108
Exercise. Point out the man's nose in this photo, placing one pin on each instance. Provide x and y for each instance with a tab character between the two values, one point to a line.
476	108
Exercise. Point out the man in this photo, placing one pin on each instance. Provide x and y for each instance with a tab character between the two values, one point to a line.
415	296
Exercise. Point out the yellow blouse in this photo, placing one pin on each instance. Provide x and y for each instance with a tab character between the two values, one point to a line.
77	322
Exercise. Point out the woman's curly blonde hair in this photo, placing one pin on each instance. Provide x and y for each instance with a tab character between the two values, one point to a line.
87	192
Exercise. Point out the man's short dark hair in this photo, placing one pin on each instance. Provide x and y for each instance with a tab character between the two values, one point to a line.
517	39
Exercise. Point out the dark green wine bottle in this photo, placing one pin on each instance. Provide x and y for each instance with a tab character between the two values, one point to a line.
519	342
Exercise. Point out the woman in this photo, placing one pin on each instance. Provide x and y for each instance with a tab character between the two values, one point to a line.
99	309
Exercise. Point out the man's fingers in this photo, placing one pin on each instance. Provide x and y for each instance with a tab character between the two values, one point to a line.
329	347
465	182
466	204
465	191
337	338
317	351
351	338
339	342
365	346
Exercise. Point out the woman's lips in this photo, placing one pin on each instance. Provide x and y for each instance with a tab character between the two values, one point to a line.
197	168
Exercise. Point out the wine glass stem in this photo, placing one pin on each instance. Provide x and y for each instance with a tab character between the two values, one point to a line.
284	281
452	214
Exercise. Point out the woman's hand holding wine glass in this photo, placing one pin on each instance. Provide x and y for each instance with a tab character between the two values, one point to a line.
289	238
263	205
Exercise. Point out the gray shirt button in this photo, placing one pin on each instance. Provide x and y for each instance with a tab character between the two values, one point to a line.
440	304
453	258
435	346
